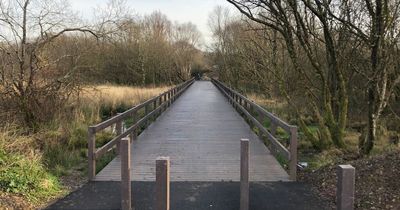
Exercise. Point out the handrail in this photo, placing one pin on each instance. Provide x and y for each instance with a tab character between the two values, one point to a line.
159	103
240	102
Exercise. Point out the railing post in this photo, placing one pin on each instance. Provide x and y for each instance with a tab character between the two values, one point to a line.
273	128
165	101
174	94
162	183
134	132
169	98
125	153
118	129
293	154
159	104
146	112
235	100
91	152
154	108
345	187
244	174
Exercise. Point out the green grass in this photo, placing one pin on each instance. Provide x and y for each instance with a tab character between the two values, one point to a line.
282	160
33	163
27	176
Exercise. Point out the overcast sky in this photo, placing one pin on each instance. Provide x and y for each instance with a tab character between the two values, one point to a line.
195	11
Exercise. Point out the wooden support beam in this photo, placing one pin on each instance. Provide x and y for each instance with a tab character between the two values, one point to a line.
345	187
125	153
244	174
162	183
91	153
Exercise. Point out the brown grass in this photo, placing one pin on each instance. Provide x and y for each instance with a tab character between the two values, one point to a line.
115	95
13	140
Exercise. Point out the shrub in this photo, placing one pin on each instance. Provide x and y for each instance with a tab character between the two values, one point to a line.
26	176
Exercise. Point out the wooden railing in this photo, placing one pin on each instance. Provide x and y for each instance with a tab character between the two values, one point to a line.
152	109
257	115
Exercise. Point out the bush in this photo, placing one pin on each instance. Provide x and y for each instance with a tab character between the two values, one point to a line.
26	176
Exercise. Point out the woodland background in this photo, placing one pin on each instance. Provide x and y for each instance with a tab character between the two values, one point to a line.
330	67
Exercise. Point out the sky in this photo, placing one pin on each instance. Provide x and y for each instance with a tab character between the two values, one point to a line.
195	11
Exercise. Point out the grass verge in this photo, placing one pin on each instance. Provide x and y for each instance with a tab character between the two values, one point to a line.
38	167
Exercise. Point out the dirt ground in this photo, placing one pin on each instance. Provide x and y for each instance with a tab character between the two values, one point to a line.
377	181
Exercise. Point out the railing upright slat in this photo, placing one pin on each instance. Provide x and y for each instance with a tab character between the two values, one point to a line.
164	100
250	109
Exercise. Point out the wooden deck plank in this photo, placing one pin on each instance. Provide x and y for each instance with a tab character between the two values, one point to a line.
201	134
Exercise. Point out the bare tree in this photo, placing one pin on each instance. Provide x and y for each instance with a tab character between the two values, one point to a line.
376	24
305	27
28	28
185	37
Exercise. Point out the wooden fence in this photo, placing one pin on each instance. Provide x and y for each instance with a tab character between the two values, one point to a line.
152	108
257	115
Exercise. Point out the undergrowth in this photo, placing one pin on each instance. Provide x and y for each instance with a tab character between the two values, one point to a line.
22	170
31	164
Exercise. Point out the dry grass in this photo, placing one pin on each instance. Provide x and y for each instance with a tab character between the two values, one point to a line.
273	105
32	163
116	95
264	101
12	140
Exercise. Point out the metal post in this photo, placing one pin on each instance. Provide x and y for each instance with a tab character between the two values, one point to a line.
125	153
345	187
244	174
293	154
91	152
162	183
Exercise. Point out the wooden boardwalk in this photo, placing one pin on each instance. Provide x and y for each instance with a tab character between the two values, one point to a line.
201	134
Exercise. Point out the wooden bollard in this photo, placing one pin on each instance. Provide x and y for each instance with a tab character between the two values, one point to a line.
244	174
125	154
162	183
345	187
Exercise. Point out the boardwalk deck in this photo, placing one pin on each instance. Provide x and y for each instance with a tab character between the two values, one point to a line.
201	134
